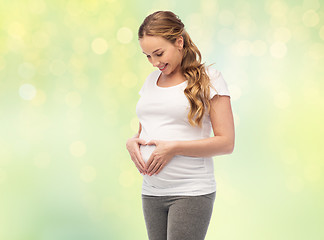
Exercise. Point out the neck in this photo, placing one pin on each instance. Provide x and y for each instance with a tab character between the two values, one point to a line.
176	74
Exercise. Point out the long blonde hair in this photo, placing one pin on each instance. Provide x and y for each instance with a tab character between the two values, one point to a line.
168	25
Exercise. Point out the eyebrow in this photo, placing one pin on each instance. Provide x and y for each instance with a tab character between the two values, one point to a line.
154	51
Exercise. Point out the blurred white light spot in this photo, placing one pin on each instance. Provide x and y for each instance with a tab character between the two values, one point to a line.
278	8
282	34
26	70
124	35
88	174
310	18
226	18
281	100
295	184
278	50
78	149
3	175
16	29
27	91
126	178
258	48
321	32
99	46
73	99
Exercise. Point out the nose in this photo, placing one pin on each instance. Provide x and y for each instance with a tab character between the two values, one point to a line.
155	63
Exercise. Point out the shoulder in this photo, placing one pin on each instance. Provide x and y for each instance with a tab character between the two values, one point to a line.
149	81
151	77
153	74
217	82
212	72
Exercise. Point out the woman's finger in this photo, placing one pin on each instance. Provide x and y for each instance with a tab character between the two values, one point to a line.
137	164
160	168
151	166
138	167
157	166
139	159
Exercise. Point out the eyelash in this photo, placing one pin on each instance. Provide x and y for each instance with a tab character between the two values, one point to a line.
159	55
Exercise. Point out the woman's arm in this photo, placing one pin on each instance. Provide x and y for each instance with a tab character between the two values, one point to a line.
221	118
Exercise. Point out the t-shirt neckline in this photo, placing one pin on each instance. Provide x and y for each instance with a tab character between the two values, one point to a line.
158	76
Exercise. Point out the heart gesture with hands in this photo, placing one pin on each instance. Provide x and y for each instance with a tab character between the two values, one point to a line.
162	154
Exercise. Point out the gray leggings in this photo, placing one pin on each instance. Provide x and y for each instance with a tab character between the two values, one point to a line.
177	217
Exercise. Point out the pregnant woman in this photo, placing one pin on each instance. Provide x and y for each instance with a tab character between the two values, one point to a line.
181	103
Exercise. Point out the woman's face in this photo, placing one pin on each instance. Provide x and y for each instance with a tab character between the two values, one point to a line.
163	54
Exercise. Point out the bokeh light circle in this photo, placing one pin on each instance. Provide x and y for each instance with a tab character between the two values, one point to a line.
27	91
124	35
310	18
99	46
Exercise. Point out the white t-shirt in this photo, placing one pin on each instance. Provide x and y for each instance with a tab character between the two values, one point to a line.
162	112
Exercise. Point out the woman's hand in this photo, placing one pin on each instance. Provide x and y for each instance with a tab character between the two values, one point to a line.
133	147
162	154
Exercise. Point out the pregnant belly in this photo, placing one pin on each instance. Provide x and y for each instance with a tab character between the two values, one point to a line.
146	151
178	170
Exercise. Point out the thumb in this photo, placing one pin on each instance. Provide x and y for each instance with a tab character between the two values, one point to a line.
142	141
151	142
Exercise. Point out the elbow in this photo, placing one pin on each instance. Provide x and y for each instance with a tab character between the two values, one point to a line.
230	147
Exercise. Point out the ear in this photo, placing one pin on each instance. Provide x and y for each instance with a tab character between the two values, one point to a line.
180	43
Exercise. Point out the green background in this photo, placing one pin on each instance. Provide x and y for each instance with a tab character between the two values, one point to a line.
70	72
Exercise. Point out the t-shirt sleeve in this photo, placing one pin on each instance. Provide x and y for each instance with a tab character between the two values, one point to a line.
142	90
147	83
218	82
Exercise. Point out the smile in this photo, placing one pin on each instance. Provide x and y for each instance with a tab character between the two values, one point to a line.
163	67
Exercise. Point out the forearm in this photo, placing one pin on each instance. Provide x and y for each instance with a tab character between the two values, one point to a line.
136	135
207	147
